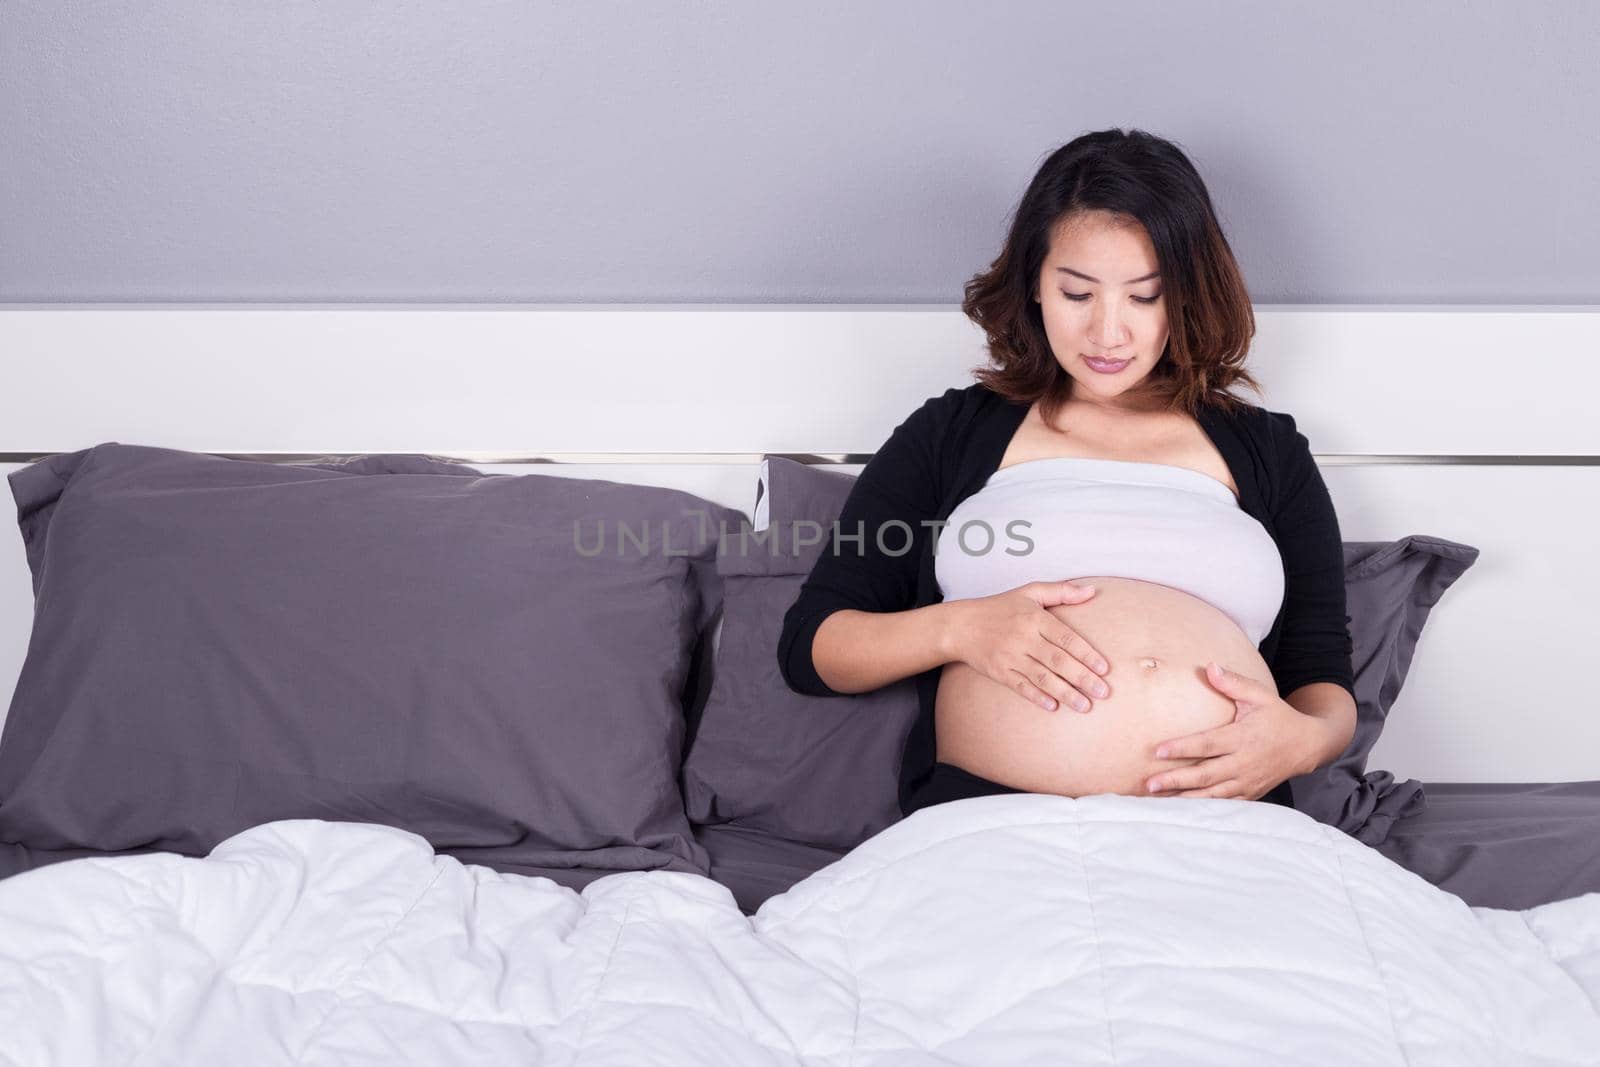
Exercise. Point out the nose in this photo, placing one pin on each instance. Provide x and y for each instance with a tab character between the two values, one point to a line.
1106	328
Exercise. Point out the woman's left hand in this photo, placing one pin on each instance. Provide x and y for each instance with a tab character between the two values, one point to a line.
1268	741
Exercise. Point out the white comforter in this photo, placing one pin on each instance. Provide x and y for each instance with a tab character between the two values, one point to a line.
1008	929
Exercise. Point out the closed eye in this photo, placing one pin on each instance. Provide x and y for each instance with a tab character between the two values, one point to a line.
1080	297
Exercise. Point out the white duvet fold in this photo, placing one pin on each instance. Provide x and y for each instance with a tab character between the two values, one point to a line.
1013	929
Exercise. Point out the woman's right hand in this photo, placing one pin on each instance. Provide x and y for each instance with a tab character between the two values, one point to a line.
1010	638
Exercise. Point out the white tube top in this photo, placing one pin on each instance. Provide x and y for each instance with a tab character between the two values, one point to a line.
1152	521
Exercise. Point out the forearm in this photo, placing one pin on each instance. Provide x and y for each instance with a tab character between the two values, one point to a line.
1333	710
859	651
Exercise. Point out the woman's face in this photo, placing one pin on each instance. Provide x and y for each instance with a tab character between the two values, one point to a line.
1100	295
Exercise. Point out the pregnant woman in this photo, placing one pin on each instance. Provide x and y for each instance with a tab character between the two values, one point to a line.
1107	572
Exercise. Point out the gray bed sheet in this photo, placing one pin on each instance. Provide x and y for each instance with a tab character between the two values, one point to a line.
755	865
1503	845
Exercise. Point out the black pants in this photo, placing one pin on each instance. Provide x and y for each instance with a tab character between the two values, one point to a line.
949	782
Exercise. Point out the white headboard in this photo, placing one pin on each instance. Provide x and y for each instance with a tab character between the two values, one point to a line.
1474	424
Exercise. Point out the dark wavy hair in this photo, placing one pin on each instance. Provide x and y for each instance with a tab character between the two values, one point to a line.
1135	176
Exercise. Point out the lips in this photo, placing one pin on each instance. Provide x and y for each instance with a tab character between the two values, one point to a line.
1105	364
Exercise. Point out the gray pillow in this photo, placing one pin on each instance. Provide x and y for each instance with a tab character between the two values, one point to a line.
825	770
1390	587
494	662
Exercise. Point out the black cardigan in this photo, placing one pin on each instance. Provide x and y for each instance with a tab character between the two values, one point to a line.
945	451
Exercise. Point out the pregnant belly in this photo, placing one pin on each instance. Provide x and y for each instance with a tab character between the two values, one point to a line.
1156	640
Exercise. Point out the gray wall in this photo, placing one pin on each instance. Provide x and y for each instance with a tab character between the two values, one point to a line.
199	150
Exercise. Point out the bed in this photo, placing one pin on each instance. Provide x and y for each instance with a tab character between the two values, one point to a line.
609	872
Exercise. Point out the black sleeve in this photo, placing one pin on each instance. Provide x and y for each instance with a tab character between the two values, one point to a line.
1314	644
899	484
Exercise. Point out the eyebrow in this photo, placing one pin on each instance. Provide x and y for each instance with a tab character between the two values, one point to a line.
1130	281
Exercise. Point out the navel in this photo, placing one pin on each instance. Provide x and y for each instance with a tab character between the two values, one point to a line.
1149	663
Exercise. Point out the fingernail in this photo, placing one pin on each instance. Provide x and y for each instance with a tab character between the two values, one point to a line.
1155	786
1161	753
